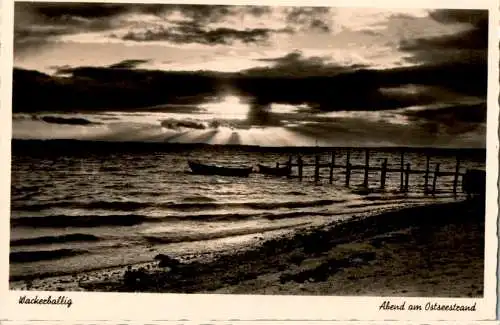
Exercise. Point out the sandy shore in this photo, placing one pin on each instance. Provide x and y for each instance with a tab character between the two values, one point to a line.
435	250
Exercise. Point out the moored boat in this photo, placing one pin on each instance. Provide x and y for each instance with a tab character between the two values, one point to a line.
275	171
204	169
474	182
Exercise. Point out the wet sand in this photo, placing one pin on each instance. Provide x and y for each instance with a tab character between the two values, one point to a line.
435	250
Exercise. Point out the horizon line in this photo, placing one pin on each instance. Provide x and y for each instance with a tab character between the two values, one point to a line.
201	144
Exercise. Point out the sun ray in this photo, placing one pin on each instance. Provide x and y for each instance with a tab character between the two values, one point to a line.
234	139
177	137
246	137
222	136
229	107
280	139
205	137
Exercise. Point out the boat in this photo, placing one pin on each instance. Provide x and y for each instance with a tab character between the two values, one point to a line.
474	183
204	169
275	171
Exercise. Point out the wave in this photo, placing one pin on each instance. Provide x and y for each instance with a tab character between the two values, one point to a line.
297	214
54	239
26	188
393	197
63	221
383	203
190	204
110	168
245	216
34	256
89	221
175	238
198	198
105	205
251	205
296	193
218	217
67	120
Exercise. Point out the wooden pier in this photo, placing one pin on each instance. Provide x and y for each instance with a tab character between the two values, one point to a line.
405	170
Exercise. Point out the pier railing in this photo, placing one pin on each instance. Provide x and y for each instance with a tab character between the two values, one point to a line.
431	175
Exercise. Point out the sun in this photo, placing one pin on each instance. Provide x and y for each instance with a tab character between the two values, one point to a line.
228	108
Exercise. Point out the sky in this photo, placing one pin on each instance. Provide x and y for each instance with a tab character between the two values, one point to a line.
361	76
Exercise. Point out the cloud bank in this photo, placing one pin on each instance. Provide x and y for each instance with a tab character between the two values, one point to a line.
408	73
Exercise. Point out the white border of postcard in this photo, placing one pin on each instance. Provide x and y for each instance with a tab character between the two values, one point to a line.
198	307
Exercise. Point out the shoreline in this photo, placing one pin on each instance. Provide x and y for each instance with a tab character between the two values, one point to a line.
415	251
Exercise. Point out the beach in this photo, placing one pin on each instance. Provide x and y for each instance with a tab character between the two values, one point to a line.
431	250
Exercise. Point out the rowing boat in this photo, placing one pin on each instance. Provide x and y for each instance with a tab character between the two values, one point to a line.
204	169
275	171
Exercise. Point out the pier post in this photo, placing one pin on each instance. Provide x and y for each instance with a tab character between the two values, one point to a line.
383	174
278	165
331	167
402	164
348	169
434	181
407	177
457	173
289	165
300	166
316	169
426	177
367	167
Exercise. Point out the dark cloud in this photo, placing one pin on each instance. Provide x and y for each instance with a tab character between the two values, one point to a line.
312	18
37	32
451	115
185	34
450	68
58	69
67	120
341	89
468	45
295	58
320	25
261	115
58	11
475	17
90	88
411	94
104	88
61	12
204	14
71	17
474	39
128	64
330	88
296	64
355	131
296	79
259	11
36	24
27	46
176	124
290	79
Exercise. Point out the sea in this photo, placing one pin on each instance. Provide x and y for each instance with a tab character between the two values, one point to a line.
87	205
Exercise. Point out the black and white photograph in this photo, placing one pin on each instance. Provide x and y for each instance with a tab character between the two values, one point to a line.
250	150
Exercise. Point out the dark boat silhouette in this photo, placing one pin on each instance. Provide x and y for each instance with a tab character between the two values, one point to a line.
203	169
474	183
275	171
